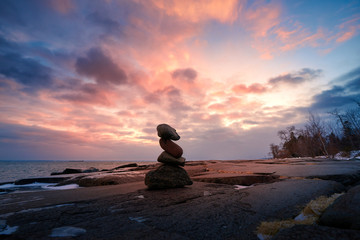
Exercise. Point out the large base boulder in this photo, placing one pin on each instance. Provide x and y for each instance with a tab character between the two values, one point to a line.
344	212
167	176
315	232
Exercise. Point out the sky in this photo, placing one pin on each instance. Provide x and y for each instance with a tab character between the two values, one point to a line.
91	80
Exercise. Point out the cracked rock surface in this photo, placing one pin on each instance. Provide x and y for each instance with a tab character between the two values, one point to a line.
204	210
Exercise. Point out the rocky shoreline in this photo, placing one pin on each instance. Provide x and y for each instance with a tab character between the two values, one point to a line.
228	200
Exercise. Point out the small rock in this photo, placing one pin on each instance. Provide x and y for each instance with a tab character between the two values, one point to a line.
344	212
90	170
165	157
126	166
167	132
67	171
170	147
167	176
67	232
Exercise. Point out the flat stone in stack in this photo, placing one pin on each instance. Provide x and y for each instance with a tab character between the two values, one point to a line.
169	174
171	147
165	157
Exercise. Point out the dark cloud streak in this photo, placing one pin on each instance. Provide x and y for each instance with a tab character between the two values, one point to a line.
26	71
339	96
187	74
101	67
305	74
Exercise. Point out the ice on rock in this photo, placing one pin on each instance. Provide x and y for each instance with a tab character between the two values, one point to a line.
67	231
6	229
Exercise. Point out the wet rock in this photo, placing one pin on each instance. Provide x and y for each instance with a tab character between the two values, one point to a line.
126	166
344	212
246	180
167	176
109	180
314	232
165	157
67	231
67	171
170	147
167	132
90	170
345	179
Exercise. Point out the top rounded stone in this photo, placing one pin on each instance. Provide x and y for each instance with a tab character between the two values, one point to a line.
167	132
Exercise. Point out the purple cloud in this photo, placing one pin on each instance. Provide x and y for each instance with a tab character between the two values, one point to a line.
187	74
101	67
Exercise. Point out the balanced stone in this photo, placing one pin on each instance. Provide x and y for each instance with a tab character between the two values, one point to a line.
170	147
165	157
167	132
167	176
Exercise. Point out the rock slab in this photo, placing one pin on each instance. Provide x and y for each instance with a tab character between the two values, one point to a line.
301	232
167	176
344	212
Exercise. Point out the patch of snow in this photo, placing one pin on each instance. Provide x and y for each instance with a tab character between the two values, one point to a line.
138	219
35	209
6	229
239	187
140	196
67	231
353	155
300	217
263	236
207	193
64	187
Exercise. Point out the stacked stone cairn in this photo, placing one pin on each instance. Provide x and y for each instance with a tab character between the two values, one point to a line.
170	174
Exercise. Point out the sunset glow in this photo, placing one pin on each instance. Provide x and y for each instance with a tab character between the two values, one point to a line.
92	79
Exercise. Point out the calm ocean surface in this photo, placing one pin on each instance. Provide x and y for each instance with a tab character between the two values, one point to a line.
14	170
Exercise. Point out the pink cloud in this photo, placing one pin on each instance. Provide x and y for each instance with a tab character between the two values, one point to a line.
202	10
62	6
261	18
348	29
253	88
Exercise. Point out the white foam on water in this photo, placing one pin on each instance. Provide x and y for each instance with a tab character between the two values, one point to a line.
67	231
30	185
36	186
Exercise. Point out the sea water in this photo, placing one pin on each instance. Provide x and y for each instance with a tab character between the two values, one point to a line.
15	170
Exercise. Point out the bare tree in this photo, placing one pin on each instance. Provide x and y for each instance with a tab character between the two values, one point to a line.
317	132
